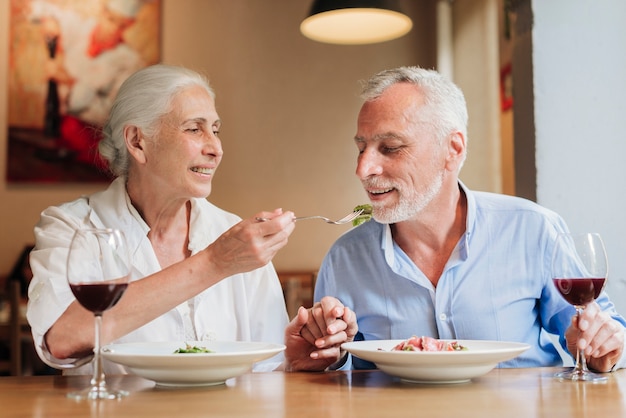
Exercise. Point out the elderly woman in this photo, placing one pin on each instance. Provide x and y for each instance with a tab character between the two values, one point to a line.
199	273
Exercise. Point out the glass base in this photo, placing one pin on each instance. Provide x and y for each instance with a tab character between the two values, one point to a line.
97	393
580	375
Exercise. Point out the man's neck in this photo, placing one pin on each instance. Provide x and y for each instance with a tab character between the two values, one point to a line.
430	238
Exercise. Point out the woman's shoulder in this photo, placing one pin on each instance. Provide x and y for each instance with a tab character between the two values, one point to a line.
77	208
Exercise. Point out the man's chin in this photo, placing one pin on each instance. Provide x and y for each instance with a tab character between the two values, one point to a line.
391	216
383	216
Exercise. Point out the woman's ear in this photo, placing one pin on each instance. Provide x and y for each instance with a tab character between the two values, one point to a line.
135	143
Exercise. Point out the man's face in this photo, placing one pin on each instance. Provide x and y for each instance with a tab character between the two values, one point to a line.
401	164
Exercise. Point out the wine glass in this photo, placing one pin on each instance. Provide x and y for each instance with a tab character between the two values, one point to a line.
579	272
98	271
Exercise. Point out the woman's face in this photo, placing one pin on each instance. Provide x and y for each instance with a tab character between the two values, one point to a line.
186	150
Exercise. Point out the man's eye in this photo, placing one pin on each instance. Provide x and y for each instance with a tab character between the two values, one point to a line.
216	132
388	150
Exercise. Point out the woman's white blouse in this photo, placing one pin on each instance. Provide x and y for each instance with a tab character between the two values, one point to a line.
243	307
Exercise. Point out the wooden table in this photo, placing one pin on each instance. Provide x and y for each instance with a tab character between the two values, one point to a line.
500	393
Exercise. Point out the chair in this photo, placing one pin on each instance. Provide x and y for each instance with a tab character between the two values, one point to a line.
14	331
298	289
17	334
11	331
5	364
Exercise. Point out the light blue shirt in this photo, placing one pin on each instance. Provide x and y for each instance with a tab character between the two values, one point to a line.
496	284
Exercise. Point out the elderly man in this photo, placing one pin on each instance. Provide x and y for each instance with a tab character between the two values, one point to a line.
439	259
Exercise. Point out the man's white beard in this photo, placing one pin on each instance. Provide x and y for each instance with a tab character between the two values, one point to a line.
408	207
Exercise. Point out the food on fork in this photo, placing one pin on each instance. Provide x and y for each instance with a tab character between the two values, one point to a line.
428	344
365	216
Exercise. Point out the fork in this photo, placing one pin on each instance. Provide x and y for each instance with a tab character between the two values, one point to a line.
348	218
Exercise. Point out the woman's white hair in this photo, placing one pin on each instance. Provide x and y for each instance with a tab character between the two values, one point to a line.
141	101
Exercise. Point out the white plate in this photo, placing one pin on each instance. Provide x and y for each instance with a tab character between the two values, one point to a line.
440	366
157	360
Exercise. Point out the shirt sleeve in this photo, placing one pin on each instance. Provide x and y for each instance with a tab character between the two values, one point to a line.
49	295
268	314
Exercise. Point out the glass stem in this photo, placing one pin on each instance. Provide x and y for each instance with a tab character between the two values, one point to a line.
98	383
581	361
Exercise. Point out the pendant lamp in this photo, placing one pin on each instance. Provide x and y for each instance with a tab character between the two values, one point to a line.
353	22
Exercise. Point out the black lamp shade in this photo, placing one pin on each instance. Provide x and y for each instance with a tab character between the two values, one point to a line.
355	22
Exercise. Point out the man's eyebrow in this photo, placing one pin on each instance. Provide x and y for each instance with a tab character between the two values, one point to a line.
379	137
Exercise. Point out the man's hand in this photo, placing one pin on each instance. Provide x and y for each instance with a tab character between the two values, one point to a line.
314	337
598	336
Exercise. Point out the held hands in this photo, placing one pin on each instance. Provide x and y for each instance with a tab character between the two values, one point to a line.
600	338
313	338
251	244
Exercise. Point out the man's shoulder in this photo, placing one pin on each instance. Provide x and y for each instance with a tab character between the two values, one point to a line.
501	201
494	204
363	234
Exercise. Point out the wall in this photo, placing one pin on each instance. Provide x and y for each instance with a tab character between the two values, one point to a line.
476	71
289	108
288	104
578	59
524	100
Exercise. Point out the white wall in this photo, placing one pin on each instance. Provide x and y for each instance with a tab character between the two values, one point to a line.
579	56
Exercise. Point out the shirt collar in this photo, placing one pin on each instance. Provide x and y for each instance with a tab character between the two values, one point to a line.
387	244
198	239
201	228
135	214
470	221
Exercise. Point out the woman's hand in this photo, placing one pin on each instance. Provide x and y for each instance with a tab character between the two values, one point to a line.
314	337
251	244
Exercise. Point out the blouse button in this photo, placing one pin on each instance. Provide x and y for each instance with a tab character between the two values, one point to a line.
35	293
209	336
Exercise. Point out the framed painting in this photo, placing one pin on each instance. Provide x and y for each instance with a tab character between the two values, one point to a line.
67	58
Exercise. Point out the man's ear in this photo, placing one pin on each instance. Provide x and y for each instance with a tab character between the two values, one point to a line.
135	143
456	151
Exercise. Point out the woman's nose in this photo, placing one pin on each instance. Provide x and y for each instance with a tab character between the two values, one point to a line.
213	145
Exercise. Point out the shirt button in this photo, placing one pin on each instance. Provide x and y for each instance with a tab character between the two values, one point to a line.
443	317
35	292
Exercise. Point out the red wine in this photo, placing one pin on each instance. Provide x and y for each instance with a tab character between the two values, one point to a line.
579	291
98	297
